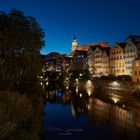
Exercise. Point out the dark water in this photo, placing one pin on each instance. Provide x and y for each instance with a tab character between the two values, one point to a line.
87	113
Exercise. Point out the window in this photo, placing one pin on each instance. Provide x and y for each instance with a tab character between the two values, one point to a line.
135	72
120	65
139	72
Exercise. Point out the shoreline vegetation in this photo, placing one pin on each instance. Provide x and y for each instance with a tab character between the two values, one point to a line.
21	106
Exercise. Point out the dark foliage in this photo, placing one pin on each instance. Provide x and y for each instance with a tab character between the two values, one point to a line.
21	38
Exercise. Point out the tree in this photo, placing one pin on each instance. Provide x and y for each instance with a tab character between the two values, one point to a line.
21	38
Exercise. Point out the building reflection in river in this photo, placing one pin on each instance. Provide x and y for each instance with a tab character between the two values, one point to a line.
57	96
124	119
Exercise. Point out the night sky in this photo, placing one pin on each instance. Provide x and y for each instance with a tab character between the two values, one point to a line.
90	20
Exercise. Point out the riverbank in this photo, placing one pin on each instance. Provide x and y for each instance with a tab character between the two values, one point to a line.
114	85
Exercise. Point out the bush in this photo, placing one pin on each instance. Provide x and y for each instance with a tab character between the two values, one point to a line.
18	118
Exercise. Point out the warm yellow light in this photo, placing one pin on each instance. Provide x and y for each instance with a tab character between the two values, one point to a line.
89	87
115	85
115	99
47	83
80	95
76	89
89	91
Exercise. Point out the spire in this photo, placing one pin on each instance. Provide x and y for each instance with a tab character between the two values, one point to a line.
74	37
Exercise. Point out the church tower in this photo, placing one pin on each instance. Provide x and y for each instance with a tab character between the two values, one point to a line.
74	44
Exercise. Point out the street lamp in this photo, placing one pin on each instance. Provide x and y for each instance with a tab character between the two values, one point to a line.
77	81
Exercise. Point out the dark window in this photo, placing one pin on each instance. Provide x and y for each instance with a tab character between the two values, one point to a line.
137	80
135	72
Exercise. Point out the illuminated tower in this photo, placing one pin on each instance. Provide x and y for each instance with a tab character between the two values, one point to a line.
74	44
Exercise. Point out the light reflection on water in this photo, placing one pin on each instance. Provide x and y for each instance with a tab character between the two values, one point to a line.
75	113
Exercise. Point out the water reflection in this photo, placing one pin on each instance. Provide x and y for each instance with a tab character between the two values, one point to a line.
113	110
57	96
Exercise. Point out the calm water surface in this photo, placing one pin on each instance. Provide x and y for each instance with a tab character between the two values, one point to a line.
83	113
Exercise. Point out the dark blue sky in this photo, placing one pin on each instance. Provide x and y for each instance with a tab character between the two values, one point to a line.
90	20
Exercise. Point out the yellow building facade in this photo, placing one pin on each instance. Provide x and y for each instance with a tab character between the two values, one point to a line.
117	60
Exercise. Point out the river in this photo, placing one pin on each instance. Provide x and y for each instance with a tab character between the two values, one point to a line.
87	113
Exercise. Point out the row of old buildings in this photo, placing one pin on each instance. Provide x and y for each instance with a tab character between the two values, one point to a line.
100	59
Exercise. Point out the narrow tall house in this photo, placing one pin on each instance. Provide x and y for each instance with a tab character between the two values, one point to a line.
117	60
98	60
132	51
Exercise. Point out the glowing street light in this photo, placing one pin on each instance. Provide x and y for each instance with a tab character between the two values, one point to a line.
76	89
80	95
77	82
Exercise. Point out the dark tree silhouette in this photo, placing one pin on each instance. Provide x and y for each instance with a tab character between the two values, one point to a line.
21	38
